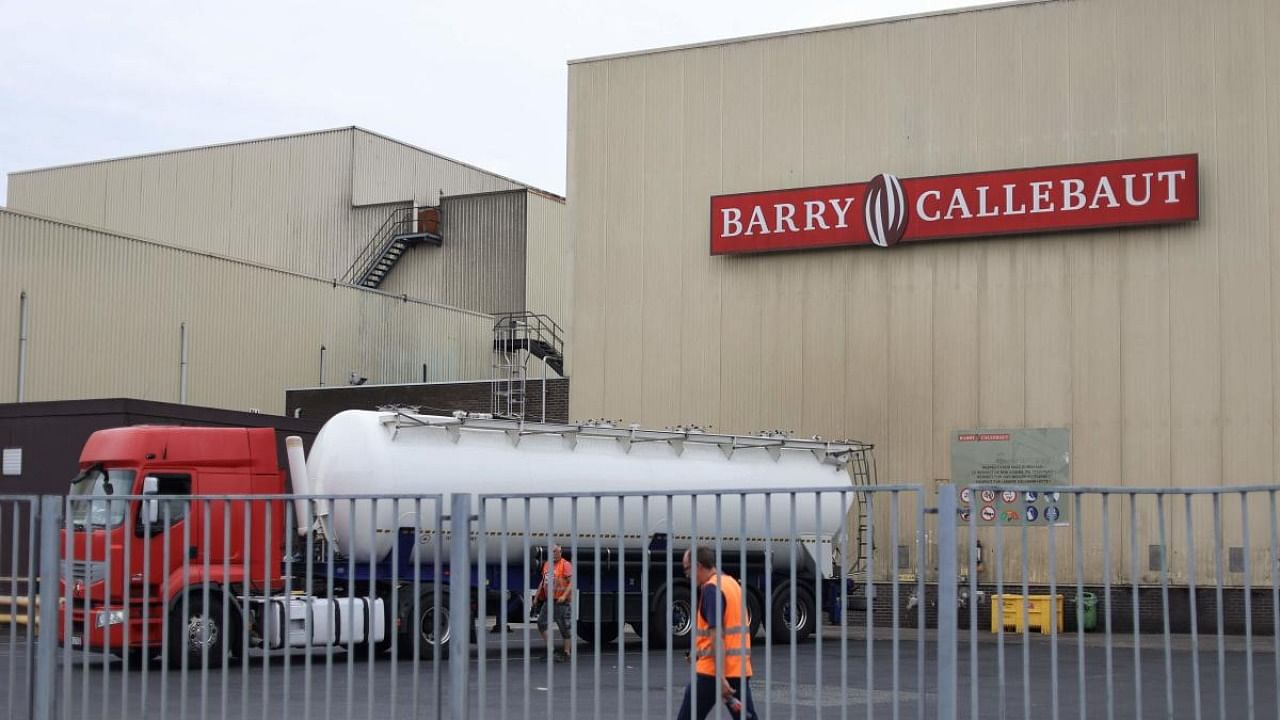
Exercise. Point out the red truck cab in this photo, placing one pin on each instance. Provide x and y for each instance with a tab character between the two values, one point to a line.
138	551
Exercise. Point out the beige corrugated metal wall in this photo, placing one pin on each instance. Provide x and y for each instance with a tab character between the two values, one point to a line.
548	259
386	170
283	202
307	203
1155	346
105	313
481	263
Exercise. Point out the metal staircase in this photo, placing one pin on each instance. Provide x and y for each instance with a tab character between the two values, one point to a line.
517	338
404	228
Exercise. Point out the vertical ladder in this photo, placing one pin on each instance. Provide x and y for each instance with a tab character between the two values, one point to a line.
510	373
517	337
862	471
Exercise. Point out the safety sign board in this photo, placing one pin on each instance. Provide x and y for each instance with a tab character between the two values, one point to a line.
1015	458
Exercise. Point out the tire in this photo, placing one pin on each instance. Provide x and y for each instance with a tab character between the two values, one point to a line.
423	627
199	634
755	611
784	622
677	628
587	632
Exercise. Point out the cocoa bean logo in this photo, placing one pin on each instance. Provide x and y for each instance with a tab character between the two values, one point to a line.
885	210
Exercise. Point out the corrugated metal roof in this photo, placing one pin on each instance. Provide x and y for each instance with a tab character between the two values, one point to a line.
806	31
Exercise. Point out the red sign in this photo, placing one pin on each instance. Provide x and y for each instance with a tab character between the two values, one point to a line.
888	210
983	437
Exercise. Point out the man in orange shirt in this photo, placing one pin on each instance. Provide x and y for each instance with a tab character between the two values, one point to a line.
723	641
558	576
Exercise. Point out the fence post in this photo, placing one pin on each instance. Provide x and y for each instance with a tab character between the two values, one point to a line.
459	604
45	680
947	594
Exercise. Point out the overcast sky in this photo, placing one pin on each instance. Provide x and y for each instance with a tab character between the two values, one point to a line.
482	82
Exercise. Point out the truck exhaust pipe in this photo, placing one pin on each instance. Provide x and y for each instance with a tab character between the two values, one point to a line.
301	483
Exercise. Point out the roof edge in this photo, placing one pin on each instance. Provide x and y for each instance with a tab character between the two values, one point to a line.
806	31
548	195
287	136
526	190
176	151
130	407
337	387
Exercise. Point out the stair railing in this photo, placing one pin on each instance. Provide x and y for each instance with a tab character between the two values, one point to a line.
534	326
399	222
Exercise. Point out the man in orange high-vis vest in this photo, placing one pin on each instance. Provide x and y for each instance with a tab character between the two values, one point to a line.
722	664
560	582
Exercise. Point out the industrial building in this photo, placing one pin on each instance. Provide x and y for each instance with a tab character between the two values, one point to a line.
1037	215
1145	324
221	276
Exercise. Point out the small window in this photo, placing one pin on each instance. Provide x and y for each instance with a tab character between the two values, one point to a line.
173	492
11	464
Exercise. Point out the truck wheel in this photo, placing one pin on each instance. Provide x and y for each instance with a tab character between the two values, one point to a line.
755	612
676	628
801	621
430	627
199	634
587	632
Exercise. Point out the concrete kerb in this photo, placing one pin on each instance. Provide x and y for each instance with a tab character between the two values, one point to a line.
1153	641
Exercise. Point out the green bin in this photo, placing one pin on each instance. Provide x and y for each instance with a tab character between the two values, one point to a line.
1088	602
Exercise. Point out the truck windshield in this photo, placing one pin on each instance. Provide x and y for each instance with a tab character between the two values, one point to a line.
91	492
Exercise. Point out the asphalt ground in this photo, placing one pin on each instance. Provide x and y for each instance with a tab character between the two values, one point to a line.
843	676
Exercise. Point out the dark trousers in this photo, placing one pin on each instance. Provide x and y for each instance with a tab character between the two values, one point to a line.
709	695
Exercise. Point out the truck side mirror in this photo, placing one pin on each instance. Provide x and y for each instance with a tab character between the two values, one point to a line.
151	486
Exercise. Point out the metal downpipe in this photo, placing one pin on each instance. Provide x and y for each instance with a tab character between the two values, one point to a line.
22	346
182	366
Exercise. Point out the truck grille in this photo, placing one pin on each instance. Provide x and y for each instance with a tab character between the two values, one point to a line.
88	571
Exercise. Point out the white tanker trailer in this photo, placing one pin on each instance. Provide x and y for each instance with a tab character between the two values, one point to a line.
623	502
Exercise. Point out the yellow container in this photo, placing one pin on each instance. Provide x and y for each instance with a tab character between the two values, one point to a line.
1036	611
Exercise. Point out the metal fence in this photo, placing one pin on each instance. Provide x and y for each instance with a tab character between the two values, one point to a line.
861	602
1171	596
18	601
